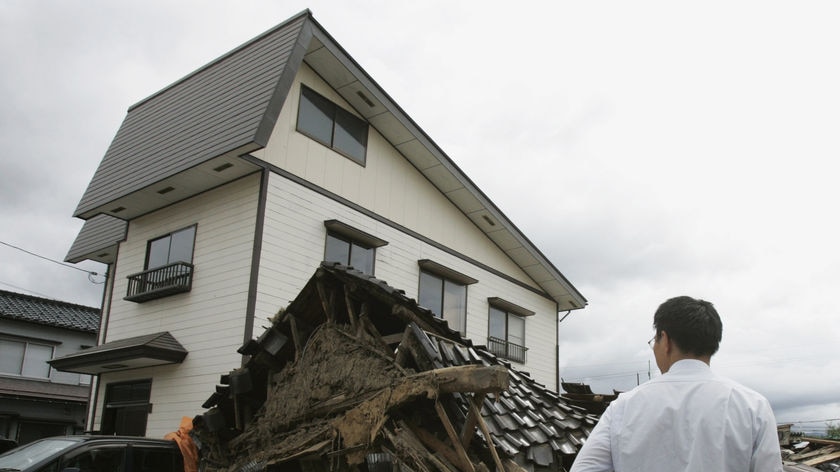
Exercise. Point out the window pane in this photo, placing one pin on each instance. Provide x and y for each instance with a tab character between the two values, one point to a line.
337	250
516	330
158	252
497	323
455	304
181	249
350	135
11	356
431	293
315	116
361	259
153	458
35	361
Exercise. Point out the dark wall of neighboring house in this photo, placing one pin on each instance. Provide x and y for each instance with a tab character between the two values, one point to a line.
32	407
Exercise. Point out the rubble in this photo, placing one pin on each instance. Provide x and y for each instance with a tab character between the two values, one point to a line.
353	375
811	454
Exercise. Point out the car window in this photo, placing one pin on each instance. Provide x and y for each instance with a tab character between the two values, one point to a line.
51	467
34	452
97	459
155	459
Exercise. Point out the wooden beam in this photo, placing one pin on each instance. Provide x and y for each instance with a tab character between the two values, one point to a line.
325	303
468	431
411	317
466	463
471	378
821	459
406	443
475	410
348	302
403	354
297	339
432	442
364	421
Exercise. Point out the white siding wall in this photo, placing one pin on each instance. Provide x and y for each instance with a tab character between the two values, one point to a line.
209	321
388	184
293	247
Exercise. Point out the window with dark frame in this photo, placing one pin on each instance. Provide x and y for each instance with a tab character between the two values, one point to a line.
445	297
171	248
351	246
127	408
506	334
334	127
168	269
345	251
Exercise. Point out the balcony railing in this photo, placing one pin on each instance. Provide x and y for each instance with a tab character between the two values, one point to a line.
159	282
506	350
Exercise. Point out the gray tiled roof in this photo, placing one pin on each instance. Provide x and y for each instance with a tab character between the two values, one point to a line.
228	105
20	307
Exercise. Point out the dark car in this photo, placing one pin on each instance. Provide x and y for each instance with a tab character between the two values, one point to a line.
94	454
7	444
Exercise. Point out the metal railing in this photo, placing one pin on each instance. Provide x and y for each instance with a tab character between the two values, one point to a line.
159	282
506	350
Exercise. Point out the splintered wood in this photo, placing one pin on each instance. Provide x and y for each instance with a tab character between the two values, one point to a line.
345	397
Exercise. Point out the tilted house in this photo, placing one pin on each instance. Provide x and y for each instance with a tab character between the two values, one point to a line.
221	193
37	401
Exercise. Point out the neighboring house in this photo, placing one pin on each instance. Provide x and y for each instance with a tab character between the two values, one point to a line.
222	193
36	400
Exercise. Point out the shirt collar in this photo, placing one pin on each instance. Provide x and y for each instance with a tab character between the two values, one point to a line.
688	365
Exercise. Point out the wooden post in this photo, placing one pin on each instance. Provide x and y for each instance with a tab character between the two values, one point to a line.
472	419
475	410
296	337
325	303
351	312
466	463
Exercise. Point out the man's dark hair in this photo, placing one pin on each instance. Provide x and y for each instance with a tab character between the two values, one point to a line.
694	325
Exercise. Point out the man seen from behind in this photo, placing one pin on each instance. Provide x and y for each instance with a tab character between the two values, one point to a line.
689	419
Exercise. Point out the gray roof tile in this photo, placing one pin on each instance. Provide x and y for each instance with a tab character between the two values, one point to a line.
20	307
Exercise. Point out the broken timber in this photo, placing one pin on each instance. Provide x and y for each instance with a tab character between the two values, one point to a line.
354	375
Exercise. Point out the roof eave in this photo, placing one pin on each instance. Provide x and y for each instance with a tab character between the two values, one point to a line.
424	154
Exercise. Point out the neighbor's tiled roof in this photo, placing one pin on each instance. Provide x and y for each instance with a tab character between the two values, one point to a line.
20	307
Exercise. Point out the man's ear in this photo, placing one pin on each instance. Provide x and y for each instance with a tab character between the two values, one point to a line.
666	342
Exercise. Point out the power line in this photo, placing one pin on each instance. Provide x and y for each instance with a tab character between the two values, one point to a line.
89	272
27	290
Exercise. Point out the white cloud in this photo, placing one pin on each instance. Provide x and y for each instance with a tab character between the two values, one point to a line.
649	149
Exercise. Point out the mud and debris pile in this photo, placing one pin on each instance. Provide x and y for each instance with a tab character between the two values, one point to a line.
353	375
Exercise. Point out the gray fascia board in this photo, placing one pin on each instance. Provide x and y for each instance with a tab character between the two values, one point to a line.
284	85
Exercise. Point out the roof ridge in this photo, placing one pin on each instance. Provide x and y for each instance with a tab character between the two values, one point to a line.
48	300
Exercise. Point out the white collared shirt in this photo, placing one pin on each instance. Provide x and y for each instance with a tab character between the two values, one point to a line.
688	420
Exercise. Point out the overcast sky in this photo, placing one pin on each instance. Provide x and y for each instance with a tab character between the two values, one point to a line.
649	149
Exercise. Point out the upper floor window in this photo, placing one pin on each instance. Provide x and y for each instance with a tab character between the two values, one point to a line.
506	332
25	358
350	246
168	268
331	125
444	291
174	247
